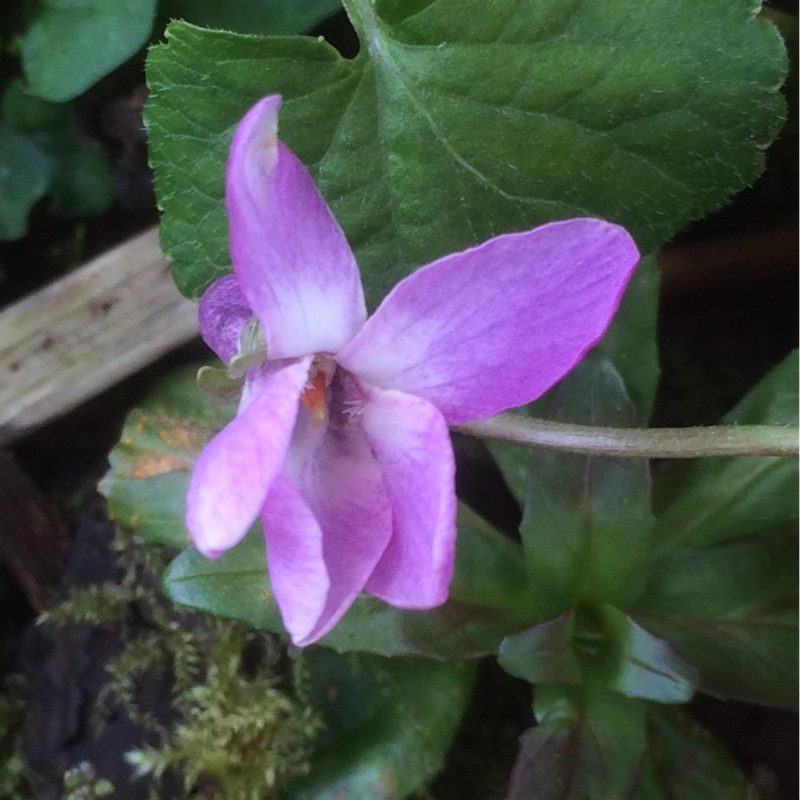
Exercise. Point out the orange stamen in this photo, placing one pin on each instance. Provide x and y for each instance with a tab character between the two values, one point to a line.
313	398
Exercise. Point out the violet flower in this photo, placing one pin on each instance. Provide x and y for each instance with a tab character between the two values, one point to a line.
340	443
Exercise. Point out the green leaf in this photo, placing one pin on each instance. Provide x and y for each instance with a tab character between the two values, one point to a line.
71	44
586	522
150	467
605	649
24	178
637	664
236	585
388	724
731	612
251	16
587	744
641	116
683	761
80	182
713	500
543	654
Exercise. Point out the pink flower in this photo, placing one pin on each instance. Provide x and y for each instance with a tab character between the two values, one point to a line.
341	443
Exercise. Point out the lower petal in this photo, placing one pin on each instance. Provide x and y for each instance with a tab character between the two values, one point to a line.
342	484
297	571
234	472
410	440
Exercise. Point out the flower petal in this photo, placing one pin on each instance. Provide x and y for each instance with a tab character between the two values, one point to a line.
234	472
297	573
493	327
223	312
335	471
291	258
412	445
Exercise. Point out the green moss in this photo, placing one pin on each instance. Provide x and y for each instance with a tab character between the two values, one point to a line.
242	727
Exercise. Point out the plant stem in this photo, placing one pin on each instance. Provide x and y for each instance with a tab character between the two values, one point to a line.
712	441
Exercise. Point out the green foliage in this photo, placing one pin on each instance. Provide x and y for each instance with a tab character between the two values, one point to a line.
24	178
588	743
731	611
705	771
591	743
470	121
643	145
388	724
146	486
44	156
712	500
586	520
71	44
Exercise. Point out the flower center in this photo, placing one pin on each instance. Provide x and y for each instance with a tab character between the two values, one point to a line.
315	394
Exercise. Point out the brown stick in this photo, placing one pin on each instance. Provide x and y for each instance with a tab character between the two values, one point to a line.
78	336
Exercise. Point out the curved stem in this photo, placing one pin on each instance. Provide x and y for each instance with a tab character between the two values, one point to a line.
712	441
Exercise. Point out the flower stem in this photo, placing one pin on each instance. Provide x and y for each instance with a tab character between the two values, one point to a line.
712	441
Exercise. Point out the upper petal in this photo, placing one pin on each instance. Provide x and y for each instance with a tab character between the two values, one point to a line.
494	327
297	573
223	312
292	261
412	445
234	472
337	475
